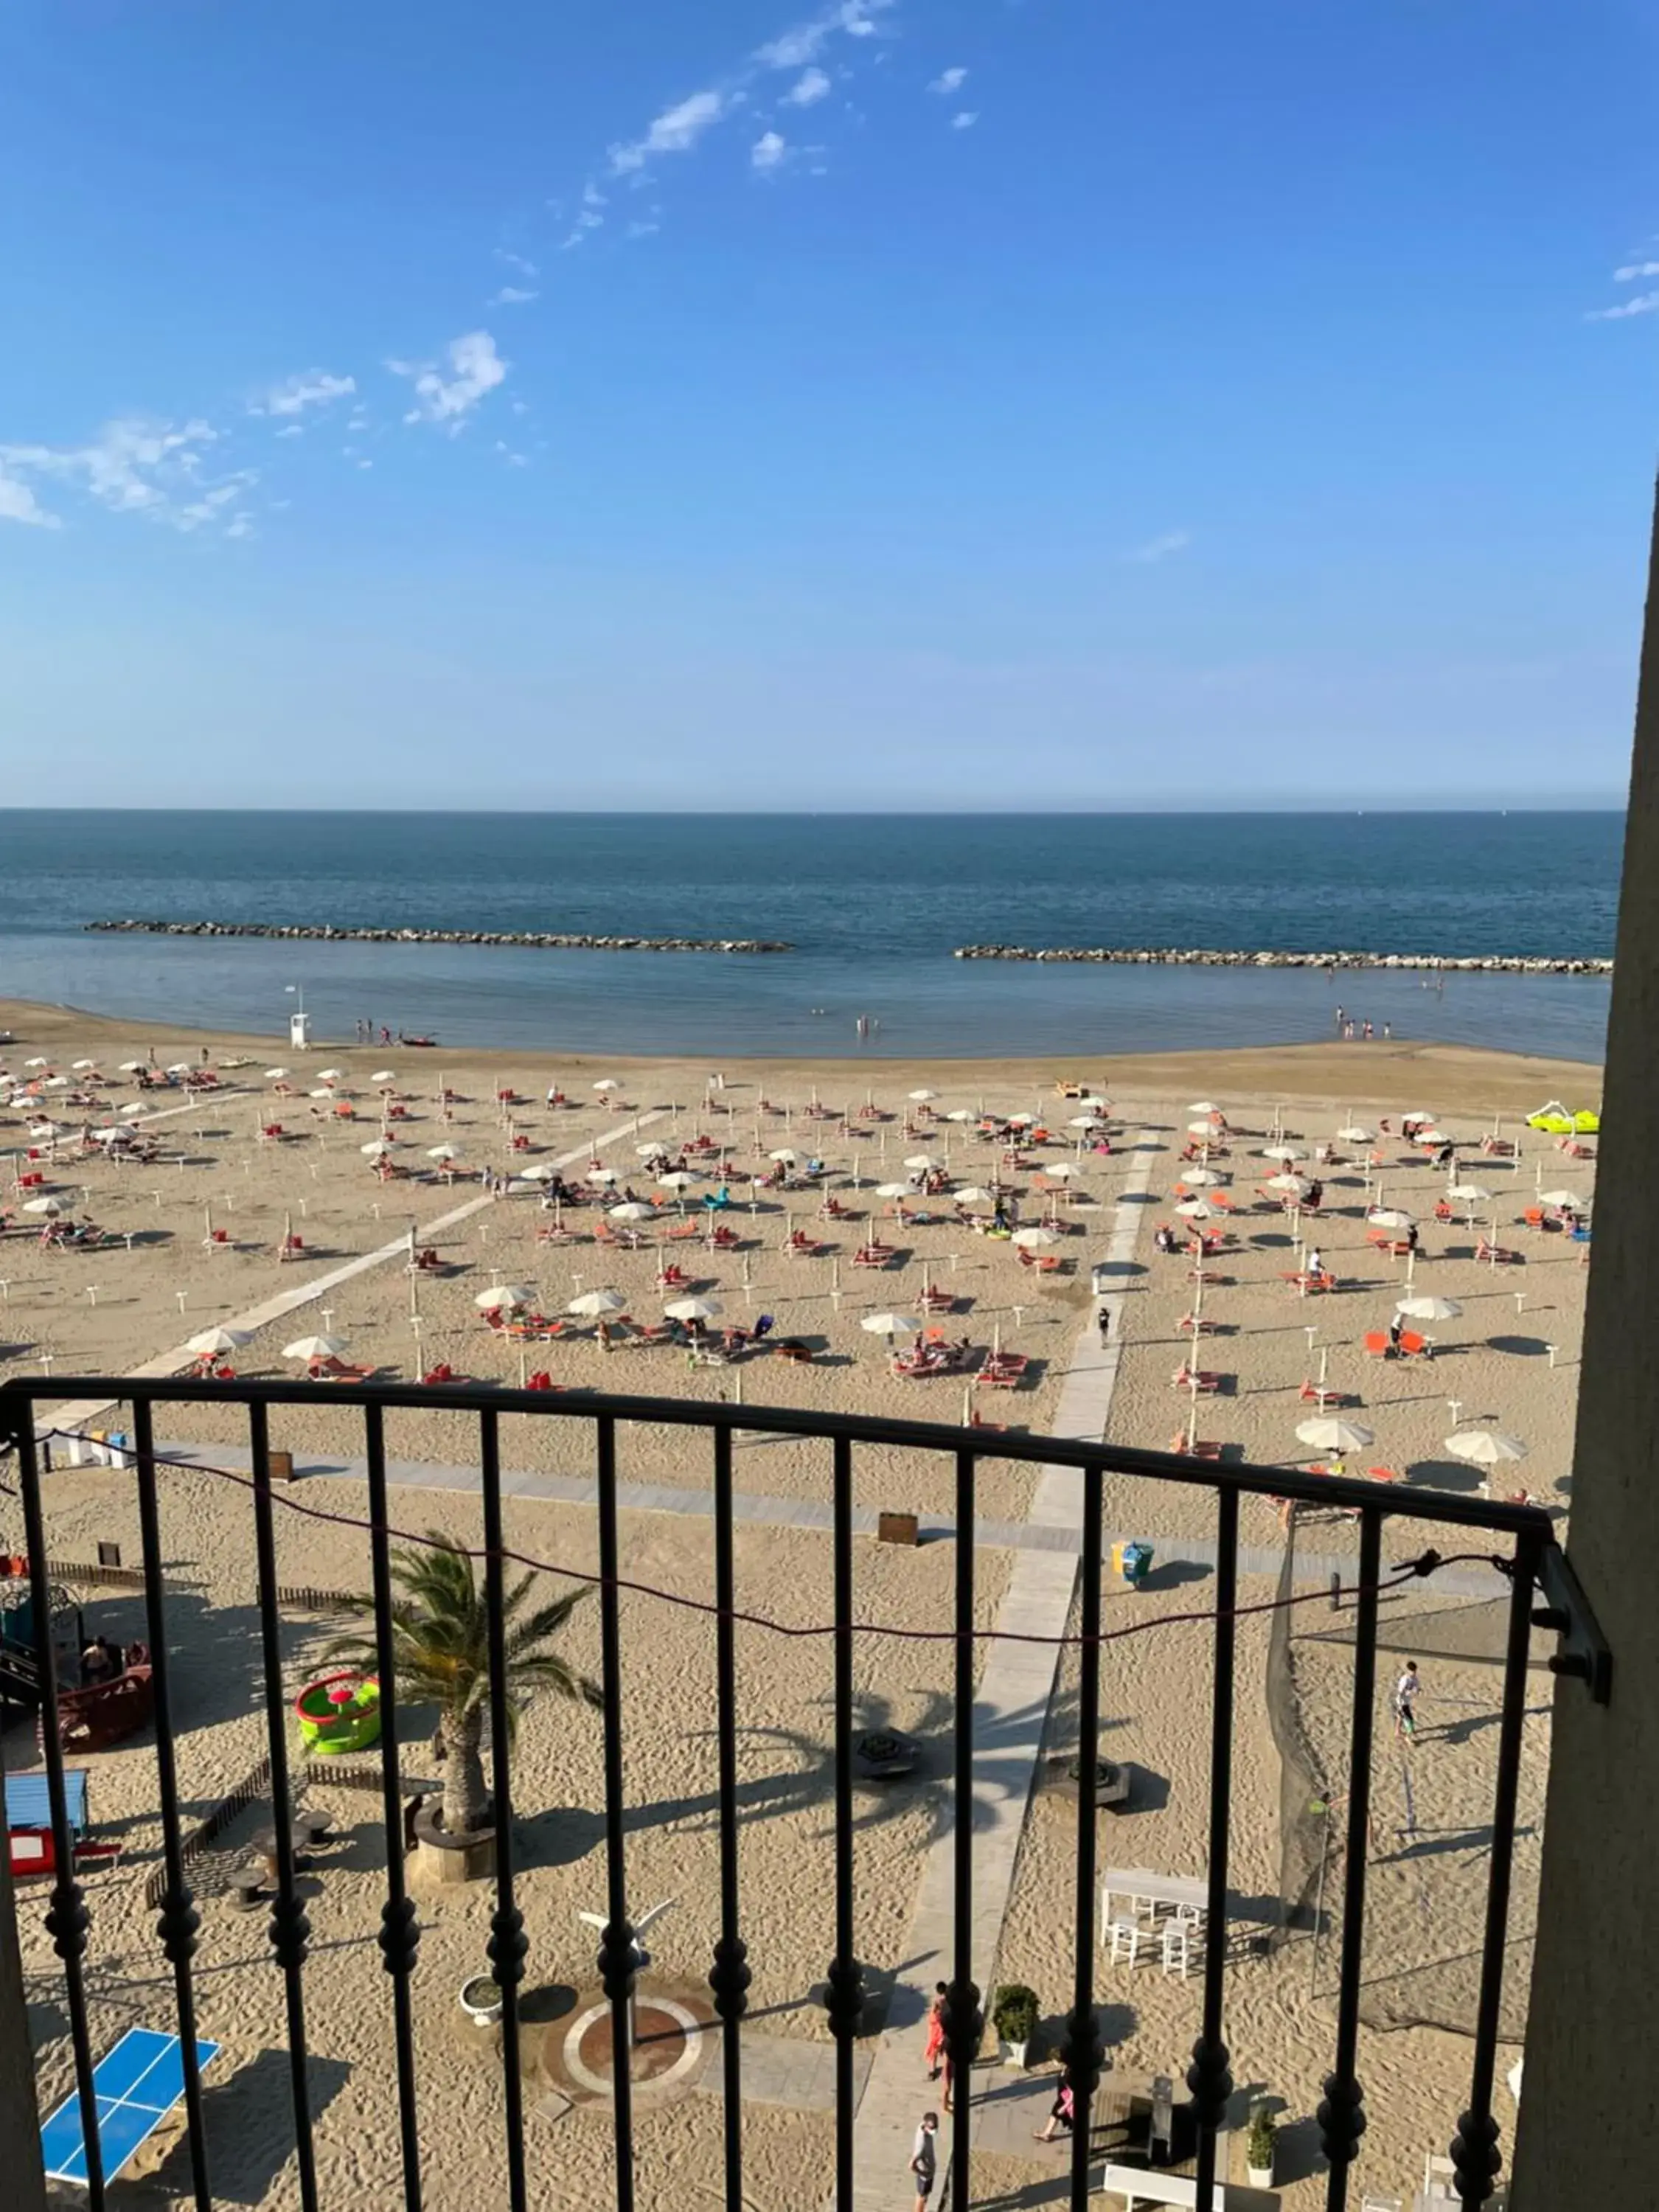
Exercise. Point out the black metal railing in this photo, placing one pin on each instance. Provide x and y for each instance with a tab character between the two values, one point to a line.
1534	1564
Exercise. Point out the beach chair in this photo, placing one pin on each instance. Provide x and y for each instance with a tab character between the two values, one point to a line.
1498	1256
1413	1346
1376	1345
1204	1447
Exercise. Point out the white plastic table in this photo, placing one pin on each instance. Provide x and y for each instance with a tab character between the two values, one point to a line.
1171	1889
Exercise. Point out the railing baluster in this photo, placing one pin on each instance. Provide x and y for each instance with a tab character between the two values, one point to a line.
289	1928
617	1944
400	1932
1342	2111
1474	2147
1084	2048
1207	2076
844	1987
963	2023
67	1917
731	1977
507	1945
179	1921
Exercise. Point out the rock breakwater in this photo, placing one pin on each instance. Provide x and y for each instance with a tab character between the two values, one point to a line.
1177	955
539	940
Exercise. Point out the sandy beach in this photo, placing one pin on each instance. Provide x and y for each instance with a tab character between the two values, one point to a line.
192	1235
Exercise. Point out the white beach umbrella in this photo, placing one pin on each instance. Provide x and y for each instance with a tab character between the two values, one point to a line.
443	1152
631	1210
1199	1129
653	1149
892	1190
1202	1178
1292	1185
56	1083
676	1179
47	1206
1084	1121
1021	1121
179	1067
784	1157
695	1310
542	1172
135	1067
1286	1152
384	1075
607	1082
1390	1217
1430	1137
606	1175
37	1063
593	1305
378	1150
314	1347
972	1195
890	1324
1418	1115
1202	1106
1328	1433
212	1341
1468	1193
83	1065
1062	1171
962	1113
919	1160
113	1135
1034	1238
505	1294
272	1074
1563	1198
330	1074
324	1093
924	1097
44	1129
1099	1105
1485	1447
134	1106
1354	1134
1194	1209
1429	1308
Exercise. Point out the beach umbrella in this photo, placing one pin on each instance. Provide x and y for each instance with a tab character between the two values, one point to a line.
653	1149
47	1206
593	1305
37	1063
1285	1153
542	1173
83	1065
1033	1239
443	1152
1022	1120
1292	1185
213	1341
111	1136
1202	1178
384	1075
607	1082
974	1195
378	1150
676	1179
135	1067
323	1075
1388	1216
890	1324
1485	1447
1354	1134
784	1157
1468	1193
324	1093
1194	1209
1563	1198
694	1310
1330	1433
924	1097
1428	1308
314	1347
505	1294
1199	1129
272	1074
630	1211
919	1160
1084	1121
962	1113
892	1190
603	1175
1062	1171
1203	1106
134	1106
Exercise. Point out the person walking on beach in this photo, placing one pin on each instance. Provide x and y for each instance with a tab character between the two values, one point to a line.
924	2160
1405	1691
935	2031
1339	1021
1103	1323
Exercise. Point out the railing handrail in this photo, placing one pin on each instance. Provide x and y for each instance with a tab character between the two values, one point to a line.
1240	1477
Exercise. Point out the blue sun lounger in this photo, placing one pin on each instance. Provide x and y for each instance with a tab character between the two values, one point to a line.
137	2085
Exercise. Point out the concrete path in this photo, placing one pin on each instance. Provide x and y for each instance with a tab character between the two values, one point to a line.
1011	1712
309	1288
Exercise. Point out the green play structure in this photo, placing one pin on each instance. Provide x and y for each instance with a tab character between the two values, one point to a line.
339	1713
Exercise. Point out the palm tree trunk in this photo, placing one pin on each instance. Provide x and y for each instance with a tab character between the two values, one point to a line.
465	1797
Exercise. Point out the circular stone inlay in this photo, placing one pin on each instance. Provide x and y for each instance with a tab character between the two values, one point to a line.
665	2045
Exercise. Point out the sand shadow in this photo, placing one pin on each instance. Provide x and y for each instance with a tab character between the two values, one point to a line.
248	2116
1523	1347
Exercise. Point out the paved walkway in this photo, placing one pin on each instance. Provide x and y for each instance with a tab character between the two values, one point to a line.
784	2069
1011	1710
310	1288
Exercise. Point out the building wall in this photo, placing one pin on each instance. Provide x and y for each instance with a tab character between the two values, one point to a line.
1593	2040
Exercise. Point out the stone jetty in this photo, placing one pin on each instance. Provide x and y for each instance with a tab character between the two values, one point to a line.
539	940
1177	955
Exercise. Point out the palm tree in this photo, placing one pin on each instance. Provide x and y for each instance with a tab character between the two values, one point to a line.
440	1652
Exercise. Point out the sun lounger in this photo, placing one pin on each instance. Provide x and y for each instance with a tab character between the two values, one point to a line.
1201	1379
1204	1447
1496	1255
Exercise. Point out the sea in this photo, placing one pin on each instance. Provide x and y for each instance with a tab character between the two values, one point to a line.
874	905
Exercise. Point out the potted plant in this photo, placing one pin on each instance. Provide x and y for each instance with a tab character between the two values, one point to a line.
481	2001
1014	2016
1259	2147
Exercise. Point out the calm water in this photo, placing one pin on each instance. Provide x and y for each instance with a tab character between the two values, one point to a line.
873	904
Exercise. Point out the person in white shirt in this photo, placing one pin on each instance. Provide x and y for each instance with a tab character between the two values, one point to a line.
1405	1702
924	2160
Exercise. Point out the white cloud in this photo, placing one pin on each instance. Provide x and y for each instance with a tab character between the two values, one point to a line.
365	464
676	131
292	430
768	152
242	526
807	90
1646	303
19	504
517	261
133	467
966	120
512	295
642	230
796	47
1160	548
475	370
593	196
314	388
949	80
1634	270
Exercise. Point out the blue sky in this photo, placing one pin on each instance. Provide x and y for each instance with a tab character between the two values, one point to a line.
1005	403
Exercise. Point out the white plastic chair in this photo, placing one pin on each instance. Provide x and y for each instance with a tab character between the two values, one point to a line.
1175	1957
1125	1940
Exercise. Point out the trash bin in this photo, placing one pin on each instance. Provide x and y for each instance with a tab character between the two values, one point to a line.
1100	1279
1132	1562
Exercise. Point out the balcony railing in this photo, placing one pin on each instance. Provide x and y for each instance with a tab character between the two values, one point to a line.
1542	1591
